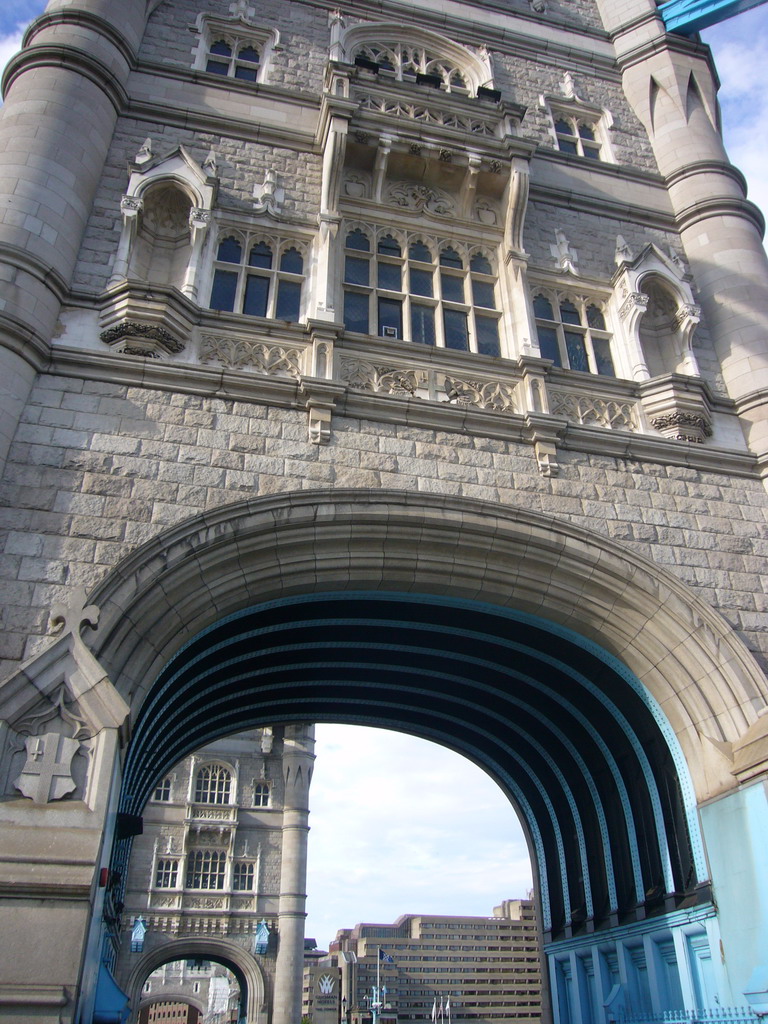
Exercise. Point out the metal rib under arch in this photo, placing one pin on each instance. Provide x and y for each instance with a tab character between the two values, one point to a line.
573	738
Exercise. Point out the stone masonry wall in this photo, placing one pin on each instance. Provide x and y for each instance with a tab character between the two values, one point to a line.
98	468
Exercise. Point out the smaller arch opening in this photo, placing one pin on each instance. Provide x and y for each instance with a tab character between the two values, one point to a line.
661	337
163	243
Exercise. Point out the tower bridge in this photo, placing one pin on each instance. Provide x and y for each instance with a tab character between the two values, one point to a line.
400	368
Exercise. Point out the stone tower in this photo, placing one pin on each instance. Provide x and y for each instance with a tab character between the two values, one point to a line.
220	867
400	365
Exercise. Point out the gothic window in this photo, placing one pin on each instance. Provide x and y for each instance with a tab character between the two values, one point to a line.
261	794
439	294
578	136
205	869
242	876
213	784
258	276
572	333
407	63
166	873
233	58
162	793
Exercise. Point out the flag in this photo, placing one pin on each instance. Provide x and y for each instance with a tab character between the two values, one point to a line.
385	957
442	1009
448	1007
434	1009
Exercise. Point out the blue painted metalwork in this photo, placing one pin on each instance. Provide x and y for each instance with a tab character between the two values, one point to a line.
687	16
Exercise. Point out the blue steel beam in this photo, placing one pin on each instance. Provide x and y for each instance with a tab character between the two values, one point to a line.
687	16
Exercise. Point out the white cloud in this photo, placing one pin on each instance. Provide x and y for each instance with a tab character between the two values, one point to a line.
9	45
399	825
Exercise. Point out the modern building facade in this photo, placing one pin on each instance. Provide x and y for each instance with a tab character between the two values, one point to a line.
208	864
471	970
402	365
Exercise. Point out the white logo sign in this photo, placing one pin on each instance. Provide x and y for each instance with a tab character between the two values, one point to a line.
325	984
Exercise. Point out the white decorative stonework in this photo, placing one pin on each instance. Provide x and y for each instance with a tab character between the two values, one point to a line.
237	353
388	380
592	411
491	395
47	774
420	199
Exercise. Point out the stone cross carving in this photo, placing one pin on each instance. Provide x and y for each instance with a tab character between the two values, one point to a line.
47	774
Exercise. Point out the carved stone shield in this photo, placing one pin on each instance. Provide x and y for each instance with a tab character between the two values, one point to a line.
47	774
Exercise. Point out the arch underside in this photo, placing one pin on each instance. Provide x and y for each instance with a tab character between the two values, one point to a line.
572	737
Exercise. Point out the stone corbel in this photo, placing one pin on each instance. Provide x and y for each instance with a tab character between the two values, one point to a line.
687	318
380	166
678	407
199	221
323	336
130	209
544	432
469	188
517	205
320	397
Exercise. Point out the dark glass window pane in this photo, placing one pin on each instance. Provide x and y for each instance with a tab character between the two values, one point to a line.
566	146
569	314
215	67
260	256
595	318
457	82
480	264
456	332
548	345
563	128
421	282
256	294
488	336
592	152
288	300
356	271
388	246
221	48
482	294
452	288
246	73
223	291
249	53
543	308
389	277
357	240
419	251
292	262
356	312
586	132
603	359
577	351
230	250
390	315
450	258
422	324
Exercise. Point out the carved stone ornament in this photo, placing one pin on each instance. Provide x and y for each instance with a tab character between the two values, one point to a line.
490	395
683	426
388	380
268	195
590	411
420	198
236	353
634	301
136	339
47	773
425	115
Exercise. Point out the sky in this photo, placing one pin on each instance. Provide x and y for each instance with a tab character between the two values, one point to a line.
399	825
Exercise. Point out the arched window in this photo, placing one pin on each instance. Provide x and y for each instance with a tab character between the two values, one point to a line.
242	876
578	136
162	792
572	333
248	278
449	303
205	869
233	58
261	794
213	784
166	873
404	62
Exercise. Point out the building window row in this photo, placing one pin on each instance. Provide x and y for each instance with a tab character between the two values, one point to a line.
258	276
572	333
205	869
